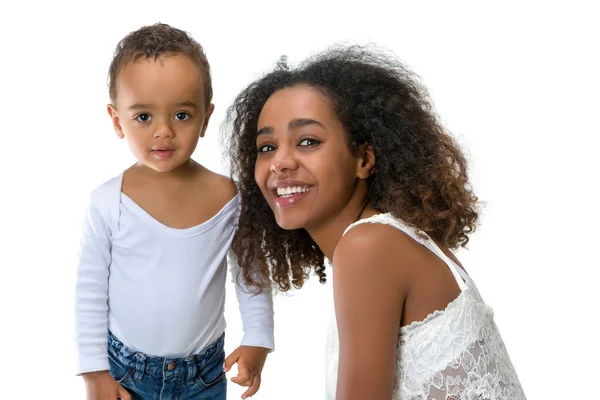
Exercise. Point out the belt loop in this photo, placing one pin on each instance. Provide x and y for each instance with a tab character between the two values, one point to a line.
140	366
191	369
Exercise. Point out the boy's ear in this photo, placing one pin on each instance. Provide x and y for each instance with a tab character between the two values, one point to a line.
209	112
366	160
112	112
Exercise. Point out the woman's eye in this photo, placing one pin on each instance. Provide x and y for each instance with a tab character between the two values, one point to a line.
182	116
265	148
309	142
143	117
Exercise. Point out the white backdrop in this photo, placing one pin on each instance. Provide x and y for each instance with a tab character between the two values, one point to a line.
516	83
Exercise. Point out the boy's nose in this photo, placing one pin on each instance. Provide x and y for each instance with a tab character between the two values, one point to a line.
163	131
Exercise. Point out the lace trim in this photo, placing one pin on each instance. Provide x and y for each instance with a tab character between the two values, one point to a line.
388	219
432	315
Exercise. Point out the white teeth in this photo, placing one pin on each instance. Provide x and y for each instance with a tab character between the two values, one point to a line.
288	191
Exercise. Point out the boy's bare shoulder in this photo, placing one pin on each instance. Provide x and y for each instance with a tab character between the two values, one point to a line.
222	186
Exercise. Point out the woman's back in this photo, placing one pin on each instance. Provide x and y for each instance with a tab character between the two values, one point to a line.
454	353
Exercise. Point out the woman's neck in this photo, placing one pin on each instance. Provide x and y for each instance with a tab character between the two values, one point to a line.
328	234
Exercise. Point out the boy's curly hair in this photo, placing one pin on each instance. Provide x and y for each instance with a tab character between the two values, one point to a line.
420	173
152	42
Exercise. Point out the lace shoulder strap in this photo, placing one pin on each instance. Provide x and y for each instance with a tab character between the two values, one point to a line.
389	219
420	237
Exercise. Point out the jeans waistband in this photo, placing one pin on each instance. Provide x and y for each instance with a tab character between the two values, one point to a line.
162	366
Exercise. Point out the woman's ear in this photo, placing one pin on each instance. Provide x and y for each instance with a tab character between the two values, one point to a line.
366	160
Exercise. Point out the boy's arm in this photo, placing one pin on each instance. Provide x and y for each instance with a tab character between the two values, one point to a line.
256	310
91	292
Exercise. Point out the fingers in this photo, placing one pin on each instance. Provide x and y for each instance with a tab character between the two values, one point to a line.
230	360
245	383
253	388
123	394
244	374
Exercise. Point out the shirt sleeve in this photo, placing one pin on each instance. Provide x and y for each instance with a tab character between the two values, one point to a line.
91	292
256	310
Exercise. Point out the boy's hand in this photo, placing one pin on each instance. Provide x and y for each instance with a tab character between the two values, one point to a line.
250	361
101	386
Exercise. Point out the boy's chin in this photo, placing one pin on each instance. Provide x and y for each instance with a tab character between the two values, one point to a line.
163	166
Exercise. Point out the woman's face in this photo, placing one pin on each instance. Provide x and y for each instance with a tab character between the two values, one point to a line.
304	168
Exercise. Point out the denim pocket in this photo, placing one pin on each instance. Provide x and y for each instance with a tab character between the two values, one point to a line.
212	372
121	373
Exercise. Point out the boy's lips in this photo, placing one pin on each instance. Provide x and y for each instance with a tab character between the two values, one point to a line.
163	152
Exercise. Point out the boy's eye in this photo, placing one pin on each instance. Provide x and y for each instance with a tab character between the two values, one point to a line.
265	148
309	142
143	117
182	116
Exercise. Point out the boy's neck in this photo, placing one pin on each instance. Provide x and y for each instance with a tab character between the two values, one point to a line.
188	170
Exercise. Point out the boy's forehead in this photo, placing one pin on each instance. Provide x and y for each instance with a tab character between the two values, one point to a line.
166	79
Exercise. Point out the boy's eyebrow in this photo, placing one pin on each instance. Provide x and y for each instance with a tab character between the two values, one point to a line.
140	106
296	123
187	104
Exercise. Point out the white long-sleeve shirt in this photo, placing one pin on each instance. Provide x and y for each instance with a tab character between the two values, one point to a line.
160	290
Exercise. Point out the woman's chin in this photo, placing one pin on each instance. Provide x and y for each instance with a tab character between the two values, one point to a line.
289	223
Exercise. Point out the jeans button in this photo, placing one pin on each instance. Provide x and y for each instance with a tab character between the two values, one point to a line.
171	365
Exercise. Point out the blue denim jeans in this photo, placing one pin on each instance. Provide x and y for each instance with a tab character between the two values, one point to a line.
198	377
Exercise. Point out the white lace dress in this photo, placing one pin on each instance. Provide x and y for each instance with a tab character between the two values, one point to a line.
453	354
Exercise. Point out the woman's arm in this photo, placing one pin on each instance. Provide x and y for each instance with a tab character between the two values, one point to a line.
369	291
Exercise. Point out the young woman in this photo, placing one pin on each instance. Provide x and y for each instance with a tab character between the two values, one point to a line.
343	159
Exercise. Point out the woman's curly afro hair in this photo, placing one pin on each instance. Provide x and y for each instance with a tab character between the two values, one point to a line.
420	175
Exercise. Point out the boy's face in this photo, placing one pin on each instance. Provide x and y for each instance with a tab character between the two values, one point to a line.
160	110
